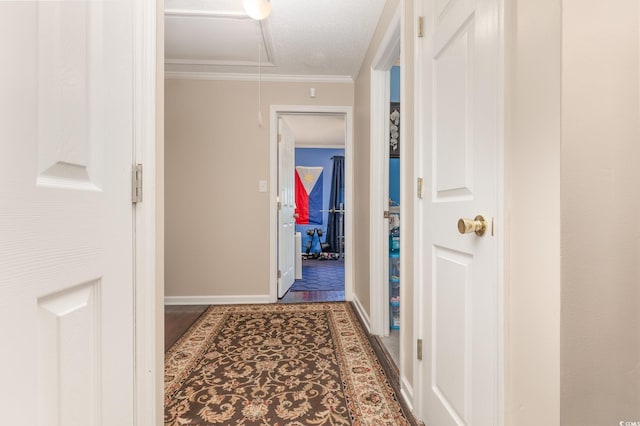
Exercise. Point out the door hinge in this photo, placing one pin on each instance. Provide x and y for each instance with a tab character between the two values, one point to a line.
419	188
419	349
420	26
279	274
386	214
279	205
136	183
279	137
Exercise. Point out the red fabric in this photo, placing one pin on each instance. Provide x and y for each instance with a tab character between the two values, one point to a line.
302	202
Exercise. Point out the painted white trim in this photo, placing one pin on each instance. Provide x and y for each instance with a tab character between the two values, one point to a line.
406	391
418	218
188	75
379	196
389	49
362	314
207	14
319	146
217	300
148	293
500	217
407	335
387	55
275	111
212	62
349	202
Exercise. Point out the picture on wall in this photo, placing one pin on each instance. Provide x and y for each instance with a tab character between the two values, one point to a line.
394	130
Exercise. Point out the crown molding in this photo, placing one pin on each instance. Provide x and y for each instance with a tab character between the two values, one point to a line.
188	75
236	63
216	14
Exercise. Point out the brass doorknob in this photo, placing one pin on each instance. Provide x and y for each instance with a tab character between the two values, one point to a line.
477	225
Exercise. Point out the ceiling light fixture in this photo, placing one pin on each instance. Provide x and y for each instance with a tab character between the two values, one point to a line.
257	9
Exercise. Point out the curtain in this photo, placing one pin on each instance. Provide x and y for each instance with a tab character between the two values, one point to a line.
336	198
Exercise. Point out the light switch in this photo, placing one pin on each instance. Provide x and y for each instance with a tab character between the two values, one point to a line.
262	186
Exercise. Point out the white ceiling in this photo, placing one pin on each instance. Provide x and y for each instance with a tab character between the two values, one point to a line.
322	39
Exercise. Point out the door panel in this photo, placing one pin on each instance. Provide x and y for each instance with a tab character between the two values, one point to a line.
66	218
451	357
453	114
68	353
458	375
286	219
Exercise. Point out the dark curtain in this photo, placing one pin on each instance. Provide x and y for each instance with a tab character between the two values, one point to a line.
335	199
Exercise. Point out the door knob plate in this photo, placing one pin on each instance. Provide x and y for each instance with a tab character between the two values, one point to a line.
477	225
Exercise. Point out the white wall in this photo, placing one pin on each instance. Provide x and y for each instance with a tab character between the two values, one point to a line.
600	181
532	204
217	223
573	249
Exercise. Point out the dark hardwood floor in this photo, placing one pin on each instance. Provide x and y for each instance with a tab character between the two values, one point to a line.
312	296
178	319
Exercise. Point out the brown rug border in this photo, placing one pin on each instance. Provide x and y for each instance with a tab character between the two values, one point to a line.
391	371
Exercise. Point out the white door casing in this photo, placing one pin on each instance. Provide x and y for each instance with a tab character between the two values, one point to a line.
275	112
286	198
457	275
385	58
66	218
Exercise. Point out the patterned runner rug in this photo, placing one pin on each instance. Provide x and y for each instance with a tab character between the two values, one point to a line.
277	365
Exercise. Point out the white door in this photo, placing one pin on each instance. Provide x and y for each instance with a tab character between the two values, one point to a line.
66	218
286	197
458	376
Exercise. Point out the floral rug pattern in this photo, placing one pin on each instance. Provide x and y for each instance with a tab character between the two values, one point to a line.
277	365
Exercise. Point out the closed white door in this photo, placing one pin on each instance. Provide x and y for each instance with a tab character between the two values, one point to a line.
286	198
458	306
66	218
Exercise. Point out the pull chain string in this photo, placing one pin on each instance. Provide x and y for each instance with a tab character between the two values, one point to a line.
259	84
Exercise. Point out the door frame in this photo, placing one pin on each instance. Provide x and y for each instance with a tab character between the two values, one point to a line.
275	112
386	56
148	285
501	227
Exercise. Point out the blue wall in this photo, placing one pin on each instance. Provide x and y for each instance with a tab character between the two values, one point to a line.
318	157
395	84
394	180
394	163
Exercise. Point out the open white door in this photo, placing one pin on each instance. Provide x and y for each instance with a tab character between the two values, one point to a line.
66	218
286	198
458	282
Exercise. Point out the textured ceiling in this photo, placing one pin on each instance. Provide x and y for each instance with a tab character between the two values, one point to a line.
322	38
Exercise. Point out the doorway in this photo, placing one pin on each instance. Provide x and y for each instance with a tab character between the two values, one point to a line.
317	171
321	243
391	339
379	261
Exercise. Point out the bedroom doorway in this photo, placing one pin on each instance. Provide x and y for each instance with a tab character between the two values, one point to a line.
319	180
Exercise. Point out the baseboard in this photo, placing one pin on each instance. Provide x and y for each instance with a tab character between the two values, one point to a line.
406	391
362	313
216	300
